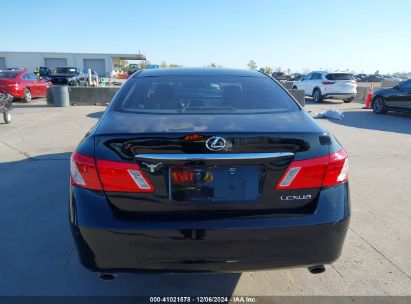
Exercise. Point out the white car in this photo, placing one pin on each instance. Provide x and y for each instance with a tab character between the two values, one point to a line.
322	85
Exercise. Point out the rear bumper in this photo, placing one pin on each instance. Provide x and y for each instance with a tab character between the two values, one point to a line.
339	95
108	244
17	92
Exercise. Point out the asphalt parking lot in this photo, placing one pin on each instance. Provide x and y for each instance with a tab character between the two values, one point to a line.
38	257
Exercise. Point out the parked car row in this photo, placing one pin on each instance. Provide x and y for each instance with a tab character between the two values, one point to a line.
357	77
284	76
377	78
25	85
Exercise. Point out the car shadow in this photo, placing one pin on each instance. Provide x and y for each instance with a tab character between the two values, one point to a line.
38	253
96	115
38	102
28	105
310	101
391	122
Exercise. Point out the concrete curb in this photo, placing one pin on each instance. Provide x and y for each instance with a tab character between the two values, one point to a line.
91	96
298	95
82	96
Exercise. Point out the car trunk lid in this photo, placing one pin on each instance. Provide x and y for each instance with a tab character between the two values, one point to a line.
175	155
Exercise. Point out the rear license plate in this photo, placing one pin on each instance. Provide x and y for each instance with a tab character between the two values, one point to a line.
223	184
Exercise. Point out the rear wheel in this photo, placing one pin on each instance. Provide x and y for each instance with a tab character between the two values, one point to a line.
27	95
379	106
7	117
348	100
317	95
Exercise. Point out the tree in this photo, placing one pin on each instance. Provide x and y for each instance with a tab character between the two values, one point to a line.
252	65
268	70
214	65
277	69
175	65
163	64
144	64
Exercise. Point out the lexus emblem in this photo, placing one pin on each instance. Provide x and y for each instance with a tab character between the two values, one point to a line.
215	143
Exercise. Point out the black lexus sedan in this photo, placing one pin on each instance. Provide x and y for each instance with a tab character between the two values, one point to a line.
207	170
397	98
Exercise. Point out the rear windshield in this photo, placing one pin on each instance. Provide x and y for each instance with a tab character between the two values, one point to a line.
203	94
7	75
339	76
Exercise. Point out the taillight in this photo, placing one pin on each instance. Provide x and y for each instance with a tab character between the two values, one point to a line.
98	174
317	172
337	171
84	172
328	82
122	177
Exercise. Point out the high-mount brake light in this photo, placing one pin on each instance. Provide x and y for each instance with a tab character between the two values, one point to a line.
317	172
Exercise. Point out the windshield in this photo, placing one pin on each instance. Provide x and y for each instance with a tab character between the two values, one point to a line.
339	76
203	94
7	75
64	70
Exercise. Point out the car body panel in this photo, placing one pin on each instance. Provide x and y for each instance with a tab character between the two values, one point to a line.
115	122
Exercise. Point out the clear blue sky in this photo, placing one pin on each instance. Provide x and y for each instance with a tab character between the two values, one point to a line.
362	35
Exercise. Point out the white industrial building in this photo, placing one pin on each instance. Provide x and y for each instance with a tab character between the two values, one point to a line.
104	64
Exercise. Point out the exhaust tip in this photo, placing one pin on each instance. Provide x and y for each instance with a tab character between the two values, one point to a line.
107	276
316	269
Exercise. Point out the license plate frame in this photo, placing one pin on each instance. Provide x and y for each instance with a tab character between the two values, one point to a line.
215	184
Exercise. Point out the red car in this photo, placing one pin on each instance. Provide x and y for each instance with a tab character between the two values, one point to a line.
23	85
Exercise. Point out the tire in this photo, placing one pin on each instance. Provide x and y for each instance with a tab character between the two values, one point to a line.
348	100
378	105
27	95
317	95
294	88
7	117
